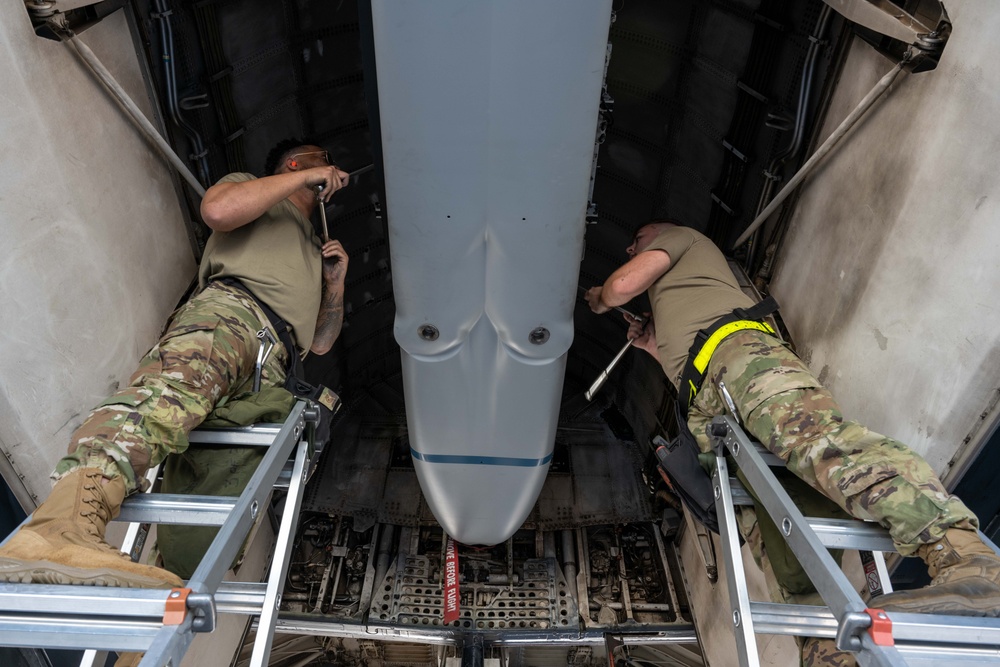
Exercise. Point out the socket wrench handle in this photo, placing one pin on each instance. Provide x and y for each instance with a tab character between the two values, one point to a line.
602	378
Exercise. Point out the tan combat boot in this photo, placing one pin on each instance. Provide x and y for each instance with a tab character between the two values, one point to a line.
965	579
63	543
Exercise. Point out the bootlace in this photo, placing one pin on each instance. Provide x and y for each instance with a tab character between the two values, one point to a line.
98	515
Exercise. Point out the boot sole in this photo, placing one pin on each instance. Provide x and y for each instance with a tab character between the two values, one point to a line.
44	572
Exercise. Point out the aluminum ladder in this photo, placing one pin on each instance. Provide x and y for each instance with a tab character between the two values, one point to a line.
162	623
877	637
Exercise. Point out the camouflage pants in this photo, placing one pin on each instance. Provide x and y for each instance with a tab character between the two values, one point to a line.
205	358
868	475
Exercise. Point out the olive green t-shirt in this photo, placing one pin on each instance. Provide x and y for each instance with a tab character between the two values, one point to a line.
277	256
697	289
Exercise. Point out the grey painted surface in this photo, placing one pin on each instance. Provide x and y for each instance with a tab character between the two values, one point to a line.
487	167
888	279
94	253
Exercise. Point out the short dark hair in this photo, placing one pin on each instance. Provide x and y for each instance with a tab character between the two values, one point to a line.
280	151
657	221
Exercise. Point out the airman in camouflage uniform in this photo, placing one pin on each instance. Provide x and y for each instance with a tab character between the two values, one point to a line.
785	407
205	359
262	238
870	476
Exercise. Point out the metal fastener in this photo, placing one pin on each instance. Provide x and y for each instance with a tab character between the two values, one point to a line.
538	336
428	332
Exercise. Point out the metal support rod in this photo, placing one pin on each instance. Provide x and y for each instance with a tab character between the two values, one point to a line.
133	111
821	152
282	554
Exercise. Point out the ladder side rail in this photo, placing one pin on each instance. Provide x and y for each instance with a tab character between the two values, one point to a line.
213	567
282	555
739	598
829	580
172	641
169	644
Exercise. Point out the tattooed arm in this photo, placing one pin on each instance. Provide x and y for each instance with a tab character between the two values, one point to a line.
331	307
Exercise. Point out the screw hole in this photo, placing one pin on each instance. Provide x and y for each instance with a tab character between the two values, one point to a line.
538	336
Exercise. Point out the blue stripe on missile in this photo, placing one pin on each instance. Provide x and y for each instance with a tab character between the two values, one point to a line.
481	460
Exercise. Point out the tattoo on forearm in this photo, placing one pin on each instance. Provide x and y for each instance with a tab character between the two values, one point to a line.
331	316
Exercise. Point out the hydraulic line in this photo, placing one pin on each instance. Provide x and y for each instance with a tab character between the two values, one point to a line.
170	76
102	73
828	145
801	114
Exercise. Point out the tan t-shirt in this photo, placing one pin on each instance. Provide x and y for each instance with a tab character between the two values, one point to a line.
697	289
277	256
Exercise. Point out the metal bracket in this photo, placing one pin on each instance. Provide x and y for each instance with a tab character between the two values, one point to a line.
852	625
887	27
50	22
175	607
202	606
205	614
881	627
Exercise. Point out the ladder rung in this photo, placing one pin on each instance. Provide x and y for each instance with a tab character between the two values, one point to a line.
924	629
102	633
793	619
177	509
770	458
741	497
833	533
927	628
187	510
17	600
240	597
257	436
851	534
83	600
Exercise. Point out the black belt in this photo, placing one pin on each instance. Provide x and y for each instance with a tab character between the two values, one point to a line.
281	327
708	339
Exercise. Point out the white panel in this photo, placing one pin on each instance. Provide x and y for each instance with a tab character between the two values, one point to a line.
95	254
489	113
889	276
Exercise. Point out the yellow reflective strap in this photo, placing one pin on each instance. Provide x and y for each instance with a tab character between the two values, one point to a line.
708	349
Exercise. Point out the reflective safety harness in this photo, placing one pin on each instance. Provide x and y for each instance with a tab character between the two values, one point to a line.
678	458
707	340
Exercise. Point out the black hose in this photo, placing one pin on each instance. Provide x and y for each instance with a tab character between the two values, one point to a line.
170	72
802	112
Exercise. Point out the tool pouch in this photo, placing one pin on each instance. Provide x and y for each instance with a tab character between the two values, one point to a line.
327	401
678	458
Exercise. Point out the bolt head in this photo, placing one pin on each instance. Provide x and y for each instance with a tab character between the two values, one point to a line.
539	336
428	332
